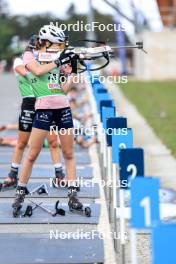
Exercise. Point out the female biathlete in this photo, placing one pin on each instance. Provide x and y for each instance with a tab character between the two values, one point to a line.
25	124
52	109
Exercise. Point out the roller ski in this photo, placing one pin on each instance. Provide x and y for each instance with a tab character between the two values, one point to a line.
21	192
75	205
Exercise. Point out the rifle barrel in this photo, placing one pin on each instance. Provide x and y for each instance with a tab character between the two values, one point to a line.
126	47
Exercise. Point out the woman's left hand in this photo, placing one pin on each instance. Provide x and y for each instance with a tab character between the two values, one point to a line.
66	69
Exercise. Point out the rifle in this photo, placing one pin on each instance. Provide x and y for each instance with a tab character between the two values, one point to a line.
86	54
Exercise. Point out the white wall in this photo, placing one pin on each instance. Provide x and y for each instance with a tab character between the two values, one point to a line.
160	62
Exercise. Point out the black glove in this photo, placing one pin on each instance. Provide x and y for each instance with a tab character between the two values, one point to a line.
66	57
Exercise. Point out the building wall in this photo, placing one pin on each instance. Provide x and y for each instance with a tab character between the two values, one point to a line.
168	11
160	62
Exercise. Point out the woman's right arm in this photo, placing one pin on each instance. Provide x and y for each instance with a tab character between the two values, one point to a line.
33	66
38	69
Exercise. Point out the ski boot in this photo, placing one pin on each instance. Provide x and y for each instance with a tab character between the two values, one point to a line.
21	192
10	183
75	205
58	181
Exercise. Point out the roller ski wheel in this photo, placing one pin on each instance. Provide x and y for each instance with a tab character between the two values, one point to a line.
9	184
87	211
17	211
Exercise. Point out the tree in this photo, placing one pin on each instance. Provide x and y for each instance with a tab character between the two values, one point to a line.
116	7
71	10
6	32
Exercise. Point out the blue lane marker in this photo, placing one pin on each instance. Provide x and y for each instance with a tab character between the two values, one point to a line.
95	80
106	103
121	139
97	92
163	244
101	90
100	97
114	123
145	203
97	86
131	162
107	112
